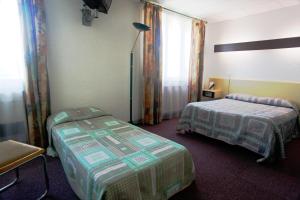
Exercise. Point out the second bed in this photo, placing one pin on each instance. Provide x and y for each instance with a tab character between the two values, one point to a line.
262	125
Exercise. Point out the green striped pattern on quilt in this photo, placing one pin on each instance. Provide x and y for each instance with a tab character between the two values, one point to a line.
106	157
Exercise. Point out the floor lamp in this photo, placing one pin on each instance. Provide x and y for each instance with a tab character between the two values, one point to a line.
141	28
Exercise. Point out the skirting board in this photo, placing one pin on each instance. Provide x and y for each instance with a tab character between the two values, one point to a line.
284	90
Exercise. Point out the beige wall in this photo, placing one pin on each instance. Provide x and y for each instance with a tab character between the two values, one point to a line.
90	65
277	64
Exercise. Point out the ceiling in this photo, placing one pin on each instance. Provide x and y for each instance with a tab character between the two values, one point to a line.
221	10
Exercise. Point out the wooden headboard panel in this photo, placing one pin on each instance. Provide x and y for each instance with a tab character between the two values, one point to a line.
284	90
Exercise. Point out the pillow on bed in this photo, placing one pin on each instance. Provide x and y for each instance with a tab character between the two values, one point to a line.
263	100
69	115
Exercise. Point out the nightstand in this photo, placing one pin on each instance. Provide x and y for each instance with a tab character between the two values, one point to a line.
208	95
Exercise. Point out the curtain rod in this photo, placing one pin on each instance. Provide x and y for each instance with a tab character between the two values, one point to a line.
157	4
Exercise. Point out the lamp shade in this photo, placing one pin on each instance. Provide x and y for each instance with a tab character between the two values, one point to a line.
141	27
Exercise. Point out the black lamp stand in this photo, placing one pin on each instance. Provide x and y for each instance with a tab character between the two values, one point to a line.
141	28
131	71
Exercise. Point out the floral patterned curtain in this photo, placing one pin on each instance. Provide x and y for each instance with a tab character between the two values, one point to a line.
152	65
196	61
37	98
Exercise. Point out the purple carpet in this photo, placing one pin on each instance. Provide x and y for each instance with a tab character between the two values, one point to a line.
223	172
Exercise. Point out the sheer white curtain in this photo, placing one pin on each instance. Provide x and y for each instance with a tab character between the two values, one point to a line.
176	41
12	112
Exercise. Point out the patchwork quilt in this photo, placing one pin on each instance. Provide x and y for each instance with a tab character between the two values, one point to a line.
106	158
262	125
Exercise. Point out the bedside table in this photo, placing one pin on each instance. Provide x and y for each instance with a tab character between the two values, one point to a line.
208	95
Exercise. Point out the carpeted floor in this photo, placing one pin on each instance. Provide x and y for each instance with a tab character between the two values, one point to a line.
223	172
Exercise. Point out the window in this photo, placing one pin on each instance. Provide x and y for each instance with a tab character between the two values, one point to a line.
11	49
176	48
12	66
176	44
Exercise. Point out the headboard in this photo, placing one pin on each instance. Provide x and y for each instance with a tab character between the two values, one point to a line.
284	90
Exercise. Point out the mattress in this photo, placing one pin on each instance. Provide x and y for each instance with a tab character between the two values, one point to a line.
106	158
260	127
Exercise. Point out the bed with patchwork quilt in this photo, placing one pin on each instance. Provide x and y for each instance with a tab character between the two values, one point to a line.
260	124
106	158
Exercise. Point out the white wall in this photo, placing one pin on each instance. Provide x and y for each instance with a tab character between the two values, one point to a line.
90	65
279	64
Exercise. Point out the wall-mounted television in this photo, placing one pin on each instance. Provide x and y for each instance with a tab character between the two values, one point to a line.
100	5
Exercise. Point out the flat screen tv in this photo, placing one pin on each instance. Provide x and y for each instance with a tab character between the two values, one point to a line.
100	5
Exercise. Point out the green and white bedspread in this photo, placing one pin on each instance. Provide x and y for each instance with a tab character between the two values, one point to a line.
105	158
